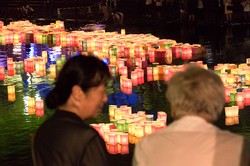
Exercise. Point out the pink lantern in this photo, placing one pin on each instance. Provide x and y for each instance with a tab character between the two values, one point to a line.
162	115
112	138
126	52
176	51
124	138
241	104
149	71
9	38
39	104
134	78
247	92
239	96
186	52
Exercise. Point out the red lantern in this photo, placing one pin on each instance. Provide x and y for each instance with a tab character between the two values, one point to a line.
40	112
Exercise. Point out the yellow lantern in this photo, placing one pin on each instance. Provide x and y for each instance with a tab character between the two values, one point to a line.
31	102
11	89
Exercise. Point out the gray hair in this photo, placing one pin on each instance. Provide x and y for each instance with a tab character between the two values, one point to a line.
196	91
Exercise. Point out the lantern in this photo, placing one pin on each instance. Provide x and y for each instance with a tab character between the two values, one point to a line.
112	149
112	111
39	104
1	72
124	138
40	112
11	97
123	31
124	149
31	110
31	102
11	89
112	138
139	131
52	71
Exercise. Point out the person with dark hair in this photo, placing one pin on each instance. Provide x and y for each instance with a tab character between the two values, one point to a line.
79	94
197	97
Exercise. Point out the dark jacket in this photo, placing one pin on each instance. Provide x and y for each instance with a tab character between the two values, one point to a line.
64	139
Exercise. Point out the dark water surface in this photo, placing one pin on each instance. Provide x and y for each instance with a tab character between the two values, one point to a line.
223	45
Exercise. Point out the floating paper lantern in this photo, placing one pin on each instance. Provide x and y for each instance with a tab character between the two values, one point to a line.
229	121
40	112
31	102
139	131
112	111
52	71
39	104
134	78
11	89
231	111
123	31
112	149
29	65
240	96
148	129
123	138
112	138
124	149
2	76
31	110
11	97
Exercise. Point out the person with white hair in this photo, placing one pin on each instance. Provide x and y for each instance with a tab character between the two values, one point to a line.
196	97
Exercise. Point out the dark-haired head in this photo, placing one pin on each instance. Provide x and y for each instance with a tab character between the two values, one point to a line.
85	71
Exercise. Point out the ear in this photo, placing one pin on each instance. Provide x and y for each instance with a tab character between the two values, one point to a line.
77	92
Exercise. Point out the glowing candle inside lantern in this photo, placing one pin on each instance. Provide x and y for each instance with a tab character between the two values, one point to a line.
11	89
112	138
31	102
11	97
31	110
40	112
112	111
2	73
52	71
134	78
148	129
124	149
139	132
123	31
39	104
124	138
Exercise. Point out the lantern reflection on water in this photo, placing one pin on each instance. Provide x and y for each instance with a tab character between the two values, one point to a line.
11	93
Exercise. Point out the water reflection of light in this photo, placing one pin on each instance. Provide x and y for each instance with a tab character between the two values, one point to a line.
54	53
31	51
